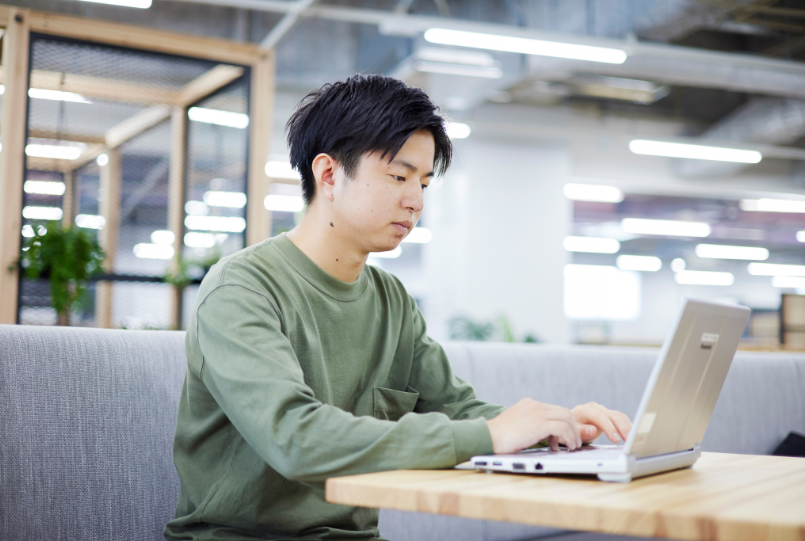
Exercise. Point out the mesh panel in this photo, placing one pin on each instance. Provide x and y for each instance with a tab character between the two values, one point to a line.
82	94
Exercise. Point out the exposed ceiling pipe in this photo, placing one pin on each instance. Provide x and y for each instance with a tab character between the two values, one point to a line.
691	16
286	23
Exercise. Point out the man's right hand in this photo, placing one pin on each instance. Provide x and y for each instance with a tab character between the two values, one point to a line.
529	422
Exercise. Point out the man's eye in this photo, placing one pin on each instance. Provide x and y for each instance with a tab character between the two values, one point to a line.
397	177
424	187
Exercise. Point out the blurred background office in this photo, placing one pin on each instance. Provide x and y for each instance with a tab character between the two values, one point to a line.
612	156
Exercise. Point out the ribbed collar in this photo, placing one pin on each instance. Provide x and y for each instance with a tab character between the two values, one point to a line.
318	277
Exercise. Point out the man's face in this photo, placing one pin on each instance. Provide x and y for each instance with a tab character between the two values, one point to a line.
382	203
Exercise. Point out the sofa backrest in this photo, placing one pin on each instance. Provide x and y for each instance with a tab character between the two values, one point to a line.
87	418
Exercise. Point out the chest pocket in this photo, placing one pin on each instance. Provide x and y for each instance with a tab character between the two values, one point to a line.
390	405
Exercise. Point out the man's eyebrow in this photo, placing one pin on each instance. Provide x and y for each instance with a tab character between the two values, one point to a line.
411	167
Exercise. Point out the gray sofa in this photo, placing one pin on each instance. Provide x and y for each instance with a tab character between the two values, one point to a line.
87	419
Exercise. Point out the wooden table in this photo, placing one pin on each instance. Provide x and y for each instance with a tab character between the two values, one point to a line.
723	497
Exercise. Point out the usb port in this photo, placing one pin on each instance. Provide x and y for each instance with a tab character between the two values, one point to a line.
497	463
518	466
480	463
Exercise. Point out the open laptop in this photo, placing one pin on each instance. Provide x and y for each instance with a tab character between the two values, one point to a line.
673	414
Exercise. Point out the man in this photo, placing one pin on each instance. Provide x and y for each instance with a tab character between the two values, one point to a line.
304	363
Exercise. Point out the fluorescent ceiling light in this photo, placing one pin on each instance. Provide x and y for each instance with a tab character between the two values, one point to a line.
591	244
419	235
457	130
236	200
511	44
199	240
775	269
196	208
795	282
695	152
102	159
215	223
90	221
668	228
28	230
221	118
56	95
59	152
801	236
142	4
647	263
392	254
163	237
43	187
772	205
42	213
601	292
593	192
284	203
153	251
720	251
704	278
678	264
465	70
278	169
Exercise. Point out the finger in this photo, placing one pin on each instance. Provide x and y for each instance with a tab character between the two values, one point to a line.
569	434
553	443
620	420
565	415
588	432
595	416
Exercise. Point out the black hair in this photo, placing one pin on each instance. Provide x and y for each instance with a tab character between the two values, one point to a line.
361	115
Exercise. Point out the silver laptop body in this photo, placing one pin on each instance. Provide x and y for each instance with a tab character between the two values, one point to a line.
674	411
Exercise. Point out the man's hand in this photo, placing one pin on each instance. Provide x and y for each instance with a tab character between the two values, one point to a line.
529	422
594	419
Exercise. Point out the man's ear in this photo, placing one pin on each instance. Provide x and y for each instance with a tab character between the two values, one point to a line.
324	167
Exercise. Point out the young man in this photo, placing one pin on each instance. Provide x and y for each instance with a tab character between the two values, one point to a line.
304	363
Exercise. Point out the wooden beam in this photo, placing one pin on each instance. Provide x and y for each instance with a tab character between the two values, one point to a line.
68	199
176	196
12	169
74	137
102	88
91	153
206	84
261	111
108	236
136	124
148	39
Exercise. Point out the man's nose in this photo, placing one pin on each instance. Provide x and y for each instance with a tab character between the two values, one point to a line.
414	197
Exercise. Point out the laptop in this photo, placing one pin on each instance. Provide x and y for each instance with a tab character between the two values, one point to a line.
674	412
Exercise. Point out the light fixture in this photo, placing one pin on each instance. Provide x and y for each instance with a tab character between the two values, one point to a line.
772	205
216	223
284	203
220	118
678	264
704	278
600	292
163	237
483	72
668	228
419	235
90	221
236	200
646	263
593	192
720	251
695	152
102	160
391	254
142	4
199	240
280	169
146	250
775	269
457	130
196	208
42	213
56	95
28	230
59	152
43	187
801	236
795	282
595	245
495	42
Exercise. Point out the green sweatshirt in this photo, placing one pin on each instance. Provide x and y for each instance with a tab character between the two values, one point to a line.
294	376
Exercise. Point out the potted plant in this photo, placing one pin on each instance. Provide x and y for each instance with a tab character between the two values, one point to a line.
68	257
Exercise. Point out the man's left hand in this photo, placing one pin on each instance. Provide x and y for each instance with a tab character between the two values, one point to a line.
594	419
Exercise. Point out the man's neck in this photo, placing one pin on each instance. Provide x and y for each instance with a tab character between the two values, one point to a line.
318	238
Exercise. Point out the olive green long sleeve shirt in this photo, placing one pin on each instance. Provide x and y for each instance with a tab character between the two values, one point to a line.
294	376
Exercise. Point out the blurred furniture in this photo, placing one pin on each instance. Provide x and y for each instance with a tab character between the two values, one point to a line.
792	324
726	497
87	418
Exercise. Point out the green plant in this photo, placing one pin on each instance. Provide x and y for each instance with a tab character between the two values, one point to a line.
69	257
463	328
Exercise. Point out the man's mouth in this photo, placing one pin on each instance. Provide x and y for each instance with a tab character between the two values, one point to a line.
402	227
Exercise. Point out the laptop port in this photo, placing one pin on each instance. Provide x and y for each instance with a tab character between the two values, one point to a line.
497	463
518	466
538	467
480	463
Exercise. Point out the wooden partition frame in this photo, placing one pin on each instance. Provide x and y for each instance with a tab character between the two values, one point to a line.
20	23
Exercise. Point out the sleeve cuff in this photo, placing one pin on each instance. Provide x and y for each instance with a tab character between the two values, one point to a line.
471	438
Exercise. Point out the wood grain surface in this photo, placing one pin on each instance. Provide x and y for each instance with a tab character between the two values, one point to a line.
724	497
